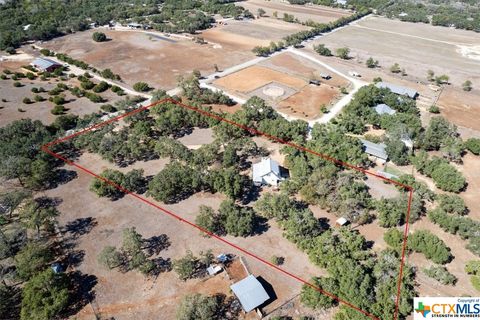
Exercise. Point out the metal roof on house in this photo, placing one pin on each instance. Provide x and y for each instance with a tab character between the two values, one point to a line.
44	63
250	292
384	109
398	89
375	149
264	167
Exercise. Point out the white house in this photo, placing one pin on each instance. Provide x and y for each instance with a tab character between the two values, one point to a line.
266	172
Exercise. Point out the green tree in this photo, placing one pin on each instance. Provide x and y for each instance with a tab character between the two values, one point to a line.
322	50
186	267
199	307
467	85
395	68
371	63
44	296
452	203
441	274
32	259
99	37
261	12
343	53
141	87
473	145
443	79
35	216
398	152
109	257
131	241
209	220
108	189
430	245
239	221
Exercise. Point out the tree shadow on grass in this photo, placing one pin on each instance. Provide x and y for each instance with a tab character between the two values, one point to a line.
80	226
81	288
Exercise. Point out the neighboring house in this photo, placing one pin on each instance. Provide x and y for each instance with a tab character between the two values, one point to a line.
266	172
250	292
376	150
403	91
384	109
45	65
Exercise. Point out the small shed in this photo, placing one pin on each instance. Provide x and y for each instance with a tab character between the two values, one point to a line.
250	292
384	109
266	172
314	82
376	150
325	76
45	65
341	222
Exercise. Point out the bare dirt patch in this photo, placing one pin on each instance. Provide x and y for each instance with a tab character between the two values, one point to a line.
251	78
197	138
308	102
303	13
460	107
137	56
303	68
247	34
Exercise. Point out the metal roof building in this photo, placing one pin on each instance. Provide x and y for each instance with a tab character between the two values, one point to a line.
44	64
266	171
250	292
404	91
375	149
384	109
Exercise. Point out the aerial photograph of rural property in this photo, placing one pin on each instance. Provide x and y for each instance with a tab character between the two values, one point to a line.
226	159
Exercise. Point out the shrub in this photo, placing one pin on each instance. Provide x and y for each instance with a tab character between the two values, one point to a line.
58	100
27	100
430	245
434	109
87	84
467	85
441	274
58	110
17	84
99	37
141	87
94	97
277	260
46	52
101	87
3	77
473	145
108	108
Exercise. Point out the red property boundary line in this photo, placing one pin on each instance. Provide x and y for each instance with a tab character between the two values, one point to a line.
46	148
